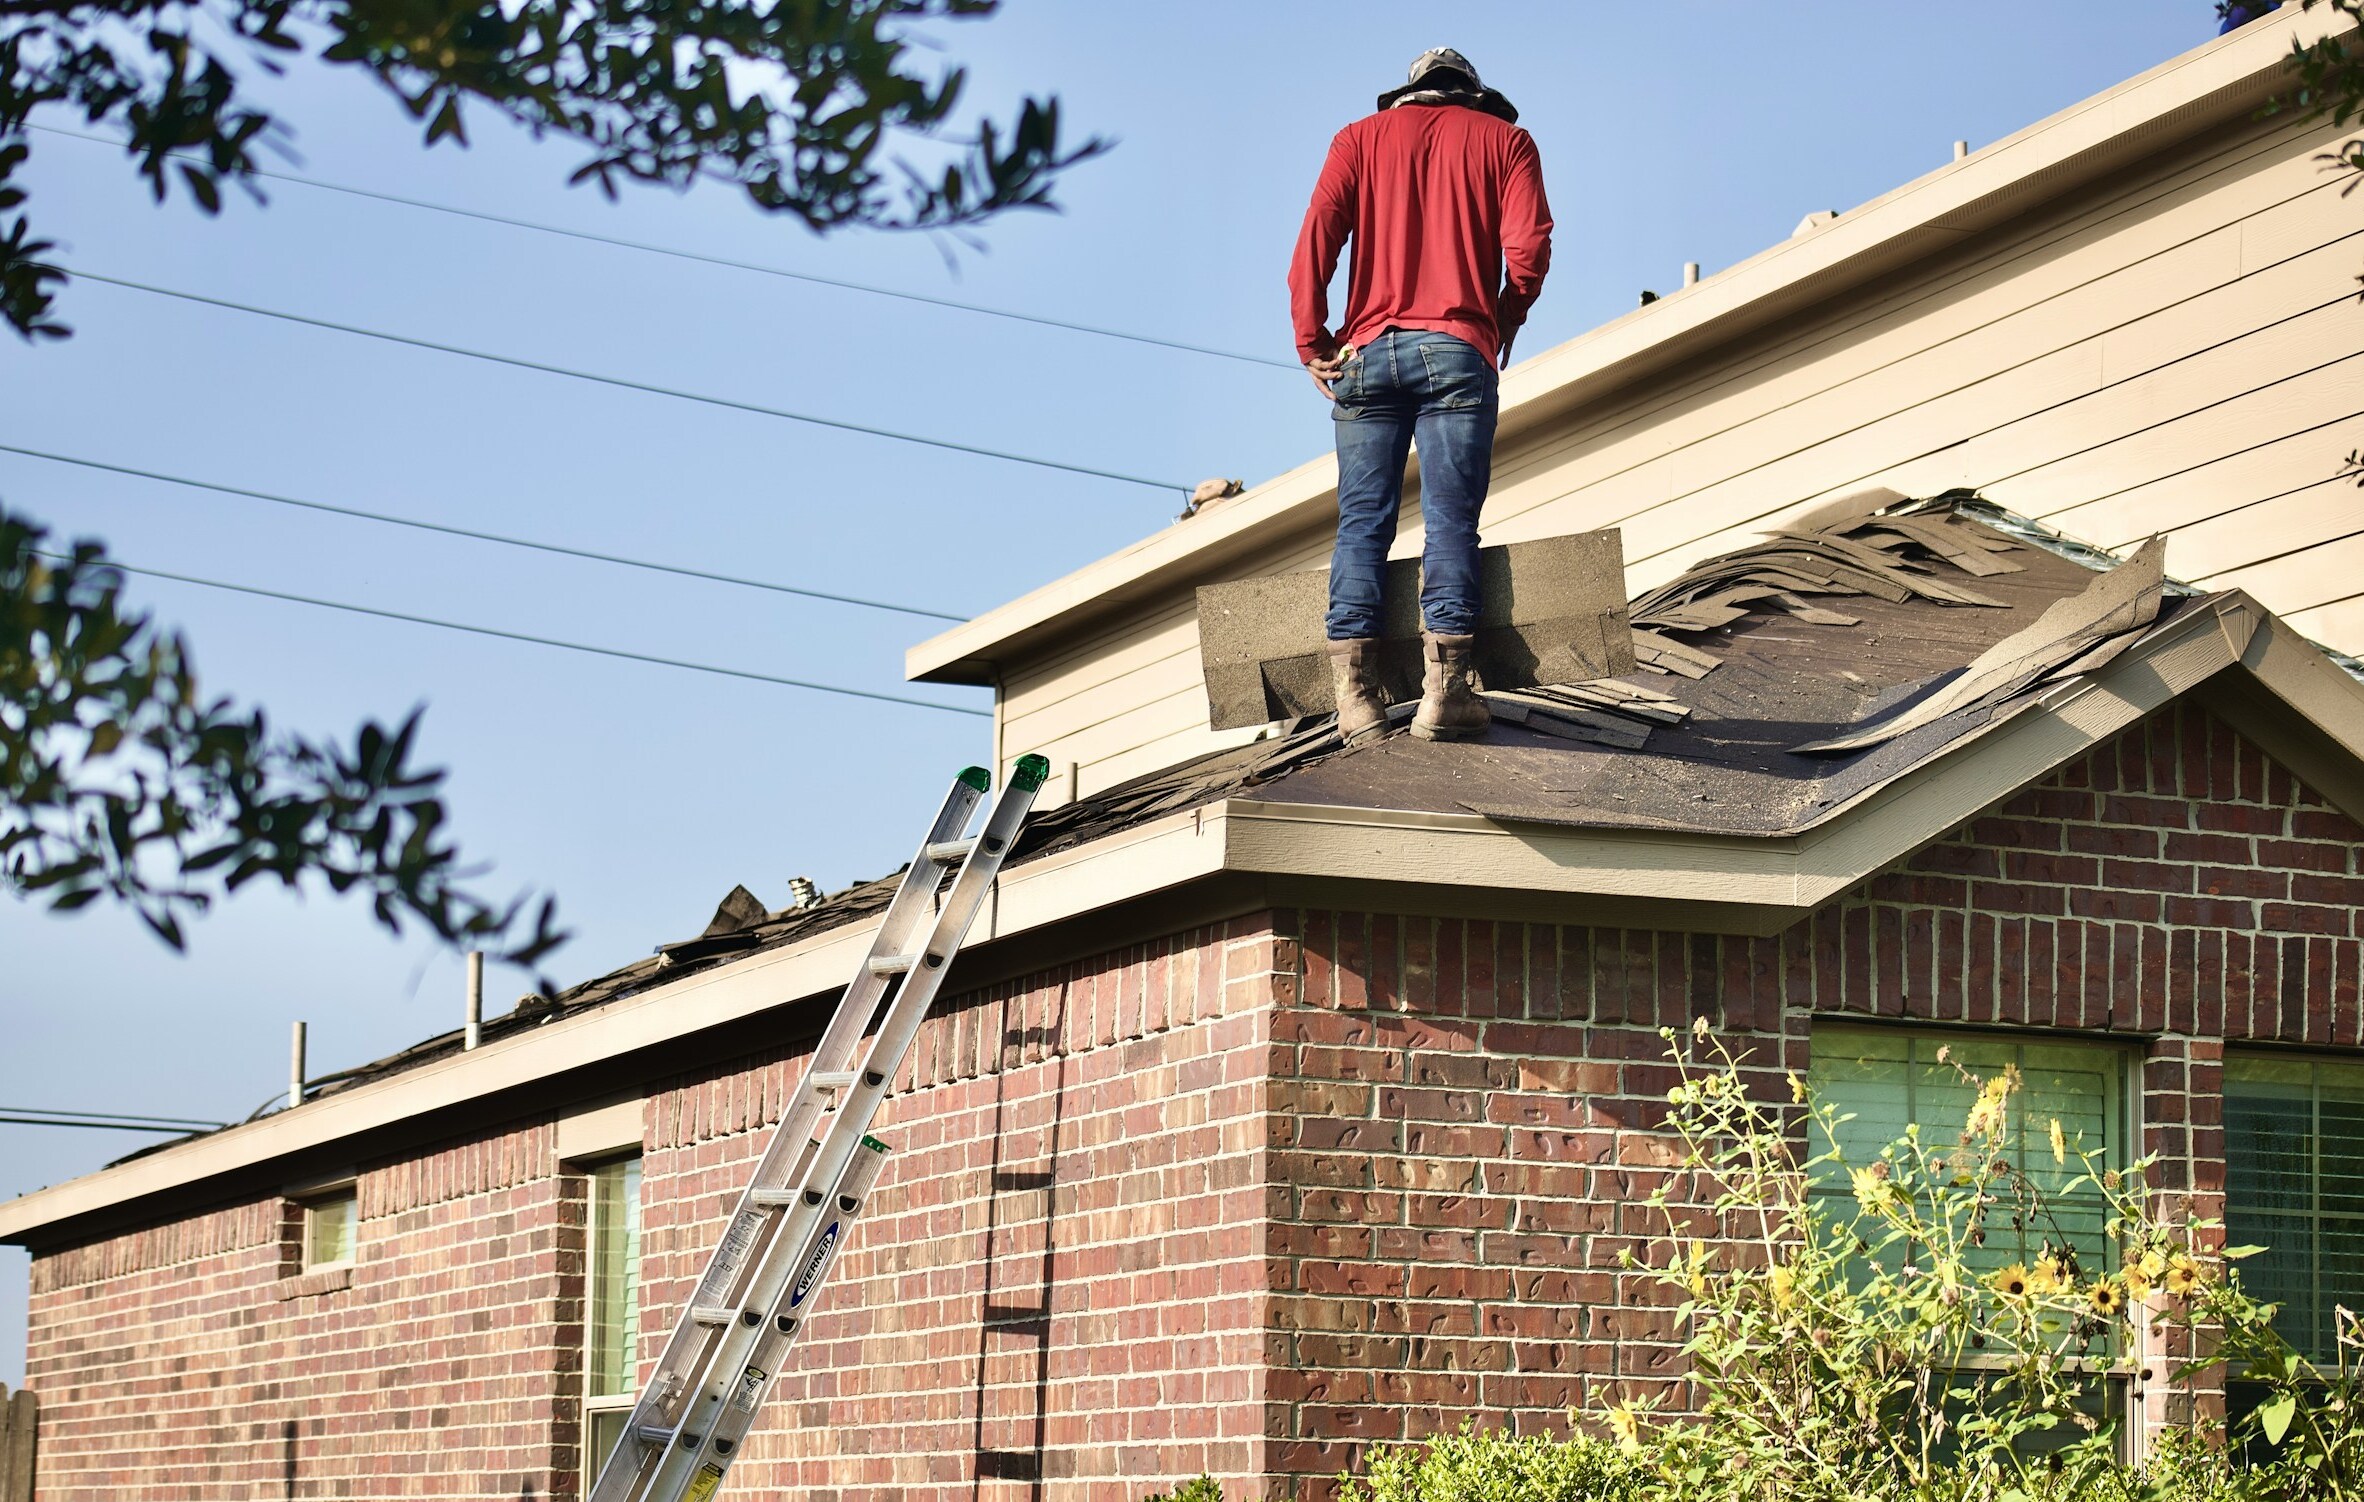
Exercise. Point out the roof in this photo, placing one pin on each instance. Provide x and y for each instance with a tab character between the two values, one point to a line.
1818	705
2223	81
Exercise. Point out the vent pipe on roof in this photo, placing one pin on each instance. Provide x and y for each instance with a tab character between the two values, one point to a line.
295	1069
1961	150
1690	273
474	1033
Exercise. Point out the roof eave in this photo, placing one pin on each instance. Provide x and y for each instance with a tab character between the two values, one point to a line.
2222	80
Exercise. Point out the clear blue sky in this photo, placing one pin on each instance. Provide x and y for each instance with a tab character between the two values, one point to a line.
1671	132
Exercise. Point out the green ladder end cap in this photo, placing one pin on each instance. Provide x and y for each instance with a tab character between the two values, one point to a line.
978	778
874	1145
1032	771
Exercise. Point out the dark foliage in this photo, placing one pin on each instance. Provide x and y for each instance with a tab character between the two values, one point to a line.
798	103
118	780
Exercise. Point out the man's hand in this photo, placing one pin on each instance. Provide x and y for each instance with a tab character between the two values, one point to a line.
1327	368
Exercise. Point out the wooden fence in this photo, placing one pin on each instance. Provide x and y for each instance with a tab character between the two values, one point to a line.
16	1445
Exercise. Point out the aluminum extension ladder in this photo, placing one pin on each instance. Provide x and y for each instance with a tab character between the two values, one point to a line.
701	1400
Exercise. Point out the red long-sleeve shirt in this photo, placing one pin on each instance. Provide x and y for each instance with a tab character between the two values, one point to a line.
1445	208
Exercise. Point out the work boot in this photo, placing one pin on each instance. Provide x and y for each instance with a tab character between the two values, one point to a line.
1354	678
1450	709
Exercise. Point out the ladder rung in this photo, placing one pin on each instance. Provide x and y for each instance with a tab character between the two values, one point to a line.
951	852
890	964
771	1199
833	1079
710	1314
654	1434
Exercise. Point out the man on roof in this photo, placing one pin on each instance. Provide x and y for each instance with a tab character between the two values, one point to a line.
1441	196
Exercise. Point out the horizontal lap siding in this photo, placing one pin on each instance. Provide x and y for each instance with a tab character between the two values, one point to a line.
2180	348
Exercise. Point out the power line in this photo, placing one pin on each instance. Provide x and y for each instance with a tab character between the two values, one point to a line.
628	385
514	542
173	1121
539	641
97	1126
713	260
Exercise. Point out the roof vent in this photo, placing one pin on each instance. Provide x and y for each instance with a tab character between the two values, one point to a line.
802	894
1815	220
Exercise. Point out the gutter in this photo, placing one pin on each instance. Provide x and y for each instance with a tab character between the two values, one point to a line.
2221	81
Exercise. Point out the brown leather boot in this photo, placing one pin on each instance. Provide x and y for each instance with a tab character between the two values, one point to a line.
1354	679
1450	709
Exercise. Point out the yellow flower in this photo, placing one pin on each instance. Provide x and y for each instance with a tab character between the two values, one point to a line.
2138	1282
2059	1143
1986	1115
2183	1277
1784	1284
1797	1089
2153	1264
2107	1298
2044	1277
1626	1426
1872	1190
2012	1282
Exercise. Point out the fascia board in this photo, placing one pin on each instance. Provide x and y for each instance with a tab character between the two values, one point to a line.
1313	840
2220	80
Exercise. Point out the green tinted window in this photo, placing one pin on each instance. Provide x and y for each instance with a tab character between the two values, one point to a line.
2294	1183
612	1312
329	1225
1889	1080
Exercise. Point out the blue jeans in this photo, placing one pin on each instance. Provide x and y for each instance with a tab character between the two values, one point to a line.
1406	384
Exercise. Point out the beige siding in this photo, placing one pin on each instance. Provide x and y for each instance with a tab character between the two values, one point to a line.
2178	354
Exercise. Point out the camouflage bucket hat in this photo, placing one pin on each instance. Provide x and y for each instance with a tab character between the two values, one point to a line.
1446	60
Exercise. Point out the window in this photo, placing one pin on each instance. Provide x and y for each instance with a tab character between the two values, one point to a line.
2294	1183
329	1226
611	1309
1891	1079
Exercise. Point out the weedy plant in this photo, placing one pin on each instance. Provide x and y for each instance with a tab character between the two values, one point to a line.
1936	1321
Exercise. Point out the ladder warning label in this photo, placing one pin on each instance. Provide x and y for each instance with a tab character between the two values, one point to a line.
736	1239
814	1264
702	1486
750	1390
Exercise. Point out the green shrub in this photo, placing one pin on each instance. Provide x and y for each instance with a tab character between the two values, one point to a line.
1200	1488
1486	1465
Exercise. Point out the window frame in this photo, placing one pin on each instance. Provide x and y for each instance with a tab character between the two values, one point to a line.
308	1205
2122	1115
594	1406
2312	1214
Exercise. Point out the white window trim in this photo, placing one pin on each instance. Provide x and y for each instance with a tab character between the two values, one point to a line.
609	1402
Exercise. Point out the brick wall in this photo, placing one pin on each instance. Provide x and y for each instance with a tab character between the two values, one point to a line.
1466	1112
1059	1276
1242	1201
192	1360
